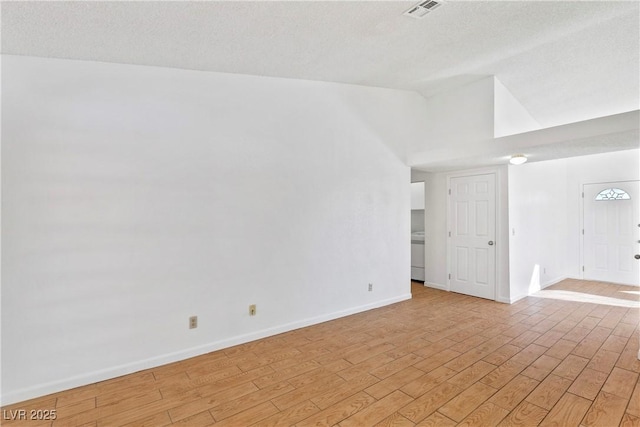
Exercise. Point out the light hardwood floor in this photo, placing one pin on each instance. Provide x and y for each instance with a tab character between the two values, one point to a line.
439	359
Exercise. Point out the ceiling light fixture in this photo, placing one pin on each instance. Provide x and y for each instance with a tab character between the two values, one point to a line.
518	159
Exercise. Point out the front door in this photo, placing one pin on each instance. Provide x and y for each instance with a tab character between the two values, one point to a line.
472	235
611	232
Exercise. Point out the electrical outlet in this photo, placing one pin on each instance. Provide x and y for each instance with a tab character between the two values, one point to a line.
252	310
193	322
370	287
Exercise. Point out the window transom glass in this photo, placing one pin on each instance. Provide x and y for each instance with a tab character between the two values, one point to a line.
613	194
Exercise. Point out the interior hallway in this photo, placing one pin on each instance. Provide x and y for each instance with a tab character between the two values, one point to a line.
567	356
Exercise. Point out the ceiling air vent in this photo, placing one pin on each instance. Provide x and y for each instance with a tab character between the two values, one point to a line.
422	9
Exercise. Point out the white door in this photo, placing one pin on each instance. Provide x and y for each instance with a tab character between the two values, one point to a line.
473	234
611	232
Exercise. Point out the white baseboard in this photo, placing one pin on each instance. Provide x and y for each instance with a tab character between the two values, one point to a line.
117	371
542	286
554	281
436	286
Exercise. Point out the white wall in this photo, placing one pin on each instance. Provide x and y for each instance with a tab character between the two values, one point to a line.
538	225
607	167
435	240
510	117
417	220
545	210
134	197
503	260
455	119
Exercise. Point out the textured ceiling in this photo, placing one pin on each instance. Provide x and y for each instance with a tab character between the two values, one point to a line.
565	61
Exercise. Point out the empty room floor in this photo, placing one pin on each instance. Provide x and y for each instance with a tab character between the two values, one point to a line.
566	356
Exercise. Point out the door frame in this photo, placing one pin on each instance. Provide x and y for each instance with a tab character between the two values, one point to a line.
582	205
501	292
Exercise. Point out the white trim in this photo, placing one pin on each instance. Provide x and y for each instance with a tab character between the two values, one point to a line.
542	286
436	286
554	281
117	371
512	299
496	172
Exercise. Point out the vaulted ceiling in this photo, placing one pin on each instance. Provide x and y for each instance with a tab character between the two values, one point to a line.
564	61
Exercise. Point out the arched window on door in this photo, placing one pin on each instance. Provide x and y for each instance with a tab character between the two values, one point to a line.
612	194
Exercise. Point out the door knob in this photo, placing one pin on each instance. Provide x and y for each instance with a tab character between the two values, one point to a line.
491	243
637	256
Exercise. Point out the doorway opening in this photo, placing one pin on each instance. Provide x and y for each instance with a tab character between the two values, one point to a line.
417	232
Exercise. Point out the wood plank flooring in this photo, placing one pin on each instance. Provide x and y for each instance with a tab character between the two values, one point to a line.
439	359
